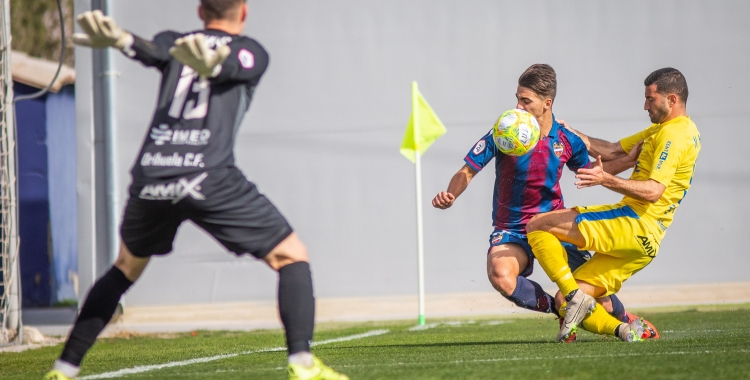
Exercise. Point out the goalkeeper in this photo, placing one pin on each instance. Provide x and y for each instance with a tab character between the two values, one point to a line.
185	171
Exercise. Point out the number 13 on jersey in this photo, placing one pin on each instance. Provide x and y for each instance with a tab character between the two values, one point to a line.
190	81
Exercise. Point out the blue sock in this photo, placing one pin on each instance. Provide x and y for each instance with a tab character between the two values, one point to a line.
530	295
618	309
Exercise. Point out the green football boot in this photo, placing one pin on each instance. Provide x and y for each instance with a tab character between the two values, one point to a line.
318	371
56	375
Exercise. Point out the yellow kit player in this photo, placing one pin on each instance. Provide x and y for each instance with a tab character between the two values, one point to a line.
625	236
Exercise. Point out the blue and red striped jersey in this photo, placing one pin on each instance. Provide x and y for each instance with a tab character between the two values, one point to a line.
529	184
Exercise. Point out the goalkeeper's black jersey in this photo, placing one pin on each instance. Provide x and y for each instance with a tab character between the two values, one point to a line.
196	120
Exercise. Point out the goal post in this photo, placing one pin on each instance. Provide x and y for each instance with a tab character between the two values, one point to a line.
10	294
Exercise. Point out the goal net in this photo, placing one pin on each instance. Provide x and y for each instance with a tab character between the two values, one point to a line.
10	312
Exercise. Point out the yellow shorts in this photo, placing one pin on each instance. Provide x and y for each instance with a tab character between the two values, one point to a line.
623	243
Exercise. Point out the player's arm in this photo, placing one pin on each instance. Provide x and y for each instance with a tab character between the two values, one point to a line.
246	62
623	163
480	155
243	60
457	185
597	147
100	31
662	167
608	150
648	190
153	53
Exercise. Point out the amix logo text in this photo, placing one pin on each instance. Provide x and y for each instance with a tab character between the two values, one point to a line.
176	191
646	245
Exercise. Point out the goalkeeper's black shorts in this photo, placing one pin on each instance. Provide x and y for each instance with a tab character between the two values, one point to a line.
220	201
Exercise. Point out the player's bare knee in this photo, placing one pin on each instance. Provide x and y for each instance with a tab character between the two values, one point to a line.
130	265
503	279
289	251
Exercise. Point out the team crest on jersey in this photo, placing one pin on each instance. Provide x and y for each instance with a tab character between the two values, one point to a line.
247	60
558	148
479	148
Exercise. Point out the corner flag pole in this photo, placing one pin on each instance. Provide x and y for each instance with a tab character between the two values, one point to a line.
418	175
423	129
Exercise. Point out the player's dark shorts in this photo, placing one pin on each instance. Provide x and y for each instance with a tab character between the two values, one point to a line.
220	201
576	257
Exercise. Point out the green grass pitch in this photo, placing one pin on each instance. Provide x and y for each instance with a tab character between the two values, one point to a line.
697	343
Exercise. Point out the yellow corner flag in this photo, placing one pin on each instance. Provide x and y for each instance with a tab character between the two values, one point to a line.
424	126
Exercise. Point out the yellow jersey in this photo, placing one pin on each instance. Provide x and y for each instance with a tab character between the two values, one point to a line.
668	156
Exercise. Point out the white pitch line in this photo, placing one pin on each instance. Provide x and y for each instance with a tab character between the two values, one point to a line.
423	327
539	358
436	324
495	323
350	337
154	367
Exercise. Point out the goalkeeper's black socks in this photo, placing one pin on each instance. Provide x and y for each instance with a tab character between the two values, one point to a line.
297	306
530	295
97	310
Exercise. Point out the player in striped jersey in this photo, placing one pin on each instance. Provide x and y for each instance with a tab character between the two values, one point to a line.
524	187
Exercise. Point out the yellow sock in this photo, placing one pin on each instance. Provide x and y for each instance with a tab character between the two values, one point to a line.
553	259
601	322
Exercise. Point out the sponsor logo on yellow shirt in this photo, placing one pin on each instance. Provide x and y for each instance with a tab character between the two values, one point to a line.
646	245
664	154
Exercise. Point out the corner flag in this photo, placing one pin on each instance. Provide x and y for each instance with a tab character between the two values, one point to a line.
424	126
423	129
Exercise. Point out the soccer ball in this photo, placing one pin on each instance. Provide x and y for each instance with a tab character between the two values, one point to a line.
516	132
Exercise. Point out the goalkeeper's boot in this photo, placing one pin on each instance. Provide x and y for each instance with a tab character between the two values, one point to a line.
577	308
318	371
649	330
56	375
633	331
572	337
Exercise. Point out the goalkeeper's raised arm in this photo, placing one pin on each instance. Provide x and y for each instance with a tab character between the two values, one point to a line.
234	59
100	31
230	58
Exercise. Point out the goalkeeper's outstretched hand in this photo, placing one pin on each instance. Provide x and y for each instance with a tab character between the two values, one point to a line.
192	50
100	31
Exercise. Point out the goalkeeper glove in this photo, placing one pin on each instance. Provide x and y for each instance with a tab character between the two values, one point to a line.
192	50
101	31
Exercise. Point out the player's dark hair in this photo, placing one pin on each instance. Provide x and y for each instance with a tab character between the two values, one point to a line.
219	9
669	81
541	79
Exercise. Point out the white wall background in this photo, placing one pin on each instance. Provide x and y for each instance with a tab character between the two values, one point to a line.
322	135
